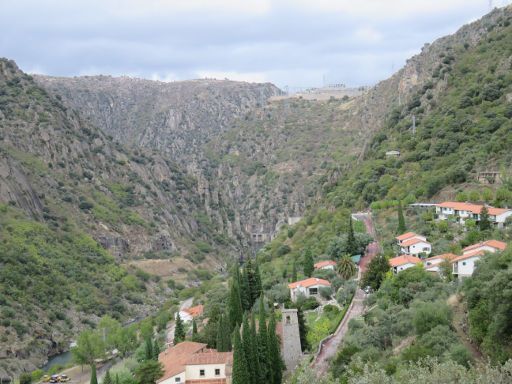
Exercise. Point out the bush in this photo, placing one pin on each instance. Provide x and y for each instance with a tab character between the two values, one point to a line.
430	315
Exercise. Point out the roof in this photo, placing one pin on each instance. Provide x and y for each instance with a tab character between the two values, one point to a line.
195	311
444	256
406	236
474	208
413	241
174	358
324	263
312	281
210	356
403	259
475	253
499	245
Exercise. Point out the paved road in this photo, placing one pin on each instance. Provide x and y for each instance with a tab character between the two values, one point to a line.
330	347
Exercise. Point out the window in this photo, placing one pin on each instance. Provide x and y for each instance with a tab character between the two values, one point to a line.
217	372
201	372
288	320
177	379
463	263
313	291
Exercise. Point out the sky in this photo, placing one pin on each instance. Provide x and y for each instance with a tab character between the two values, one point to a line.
295	43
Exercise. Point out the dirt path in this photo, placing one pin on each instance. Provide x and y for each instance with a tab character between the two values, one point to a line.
329	347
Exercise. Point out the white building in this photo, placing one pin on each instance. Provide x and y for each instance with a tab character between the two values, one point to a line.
464	211
416	246
408	236
326	264
190	362
433	264
309	287
403	262
464	265
188	314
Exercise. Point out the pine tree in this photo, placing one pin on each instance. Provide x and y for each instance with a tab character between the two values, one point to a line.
94	379
352	248
274	348
235	304
240	373
346	267
249	351
260	378
309	265
401	219
107	379
263	352
179	330
194	330
149	348
303	330
485	223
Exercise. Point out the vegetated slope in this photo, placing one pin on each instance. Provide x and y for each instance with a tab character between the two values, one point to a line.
463	119
64	183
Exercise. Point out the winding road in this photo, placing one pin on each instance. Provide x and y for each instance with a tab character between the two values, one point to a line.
330	346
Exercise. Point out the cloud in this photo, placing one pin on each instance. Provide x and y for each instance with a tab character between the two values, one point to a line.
288	42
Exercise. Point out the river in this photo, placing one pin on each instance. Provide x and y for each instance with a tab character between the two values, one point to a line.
61	359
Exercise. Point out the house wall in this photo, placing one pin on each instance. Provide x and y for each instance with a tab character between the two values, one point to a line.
466	267
418	248
172	379
500	219
403	267
304	291
192	371
291	348
185	316
331	267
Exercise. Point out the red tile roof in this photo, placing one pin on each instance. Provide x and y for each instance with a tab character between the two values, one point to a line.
312	281
174	358
210	356
408	243
499	245
324	263
404	259
474	208
406	236
475	253
195	311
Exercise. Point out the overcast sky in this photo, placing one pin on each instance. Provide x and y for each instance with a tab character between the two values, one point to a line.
288	42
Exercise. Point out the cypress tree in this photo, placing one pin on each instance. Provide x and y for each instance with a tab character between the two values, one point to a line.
179	330
263	353
156	350
235	305
240	374
258	286
94	379
149	349
309	265
223	335
107	379
194	330
249	351
274	348
351	239
260	378
117	379
294	271
484	223
401	219
303	330
245	291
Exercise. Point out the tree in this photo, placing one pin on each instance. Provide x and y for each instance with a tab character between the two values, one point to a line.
485	223
94	378
149	372
263	352
156	350
107	379
294	271
249	350
149	348
303	330
179	330
235	304
245	290
352	247
346	267
401	219
194	330
25	378
223	335
258	288
260	377
308	263
89	347
276	363
240	374
376	272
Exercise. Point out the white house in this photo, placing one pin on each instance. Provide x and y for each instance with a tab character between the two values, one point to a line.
308	287
403	262
188	314
408	236
464	211
191	362
433	264
415	246
464	265
326	264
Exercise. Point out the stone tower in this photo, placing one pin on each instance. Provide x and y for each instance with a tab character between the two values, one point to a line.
290	350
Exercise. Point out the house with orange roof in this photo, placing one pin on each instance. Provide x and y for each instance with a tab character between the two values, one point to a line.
308	287
464	265
415	246
464	211
326	264
403	262
188	314
408	236
433	264
190	362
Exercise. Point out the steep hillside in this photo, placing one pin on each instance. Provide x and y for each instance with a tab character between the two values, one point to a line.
67	194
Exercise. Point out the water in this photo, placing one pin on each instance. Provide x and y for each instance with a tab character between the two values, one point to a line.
60	359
